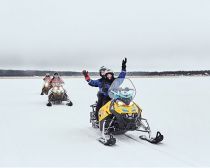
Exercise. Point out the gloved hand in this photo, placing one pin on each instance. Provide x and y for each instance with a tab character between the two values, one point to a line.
124	64
86	75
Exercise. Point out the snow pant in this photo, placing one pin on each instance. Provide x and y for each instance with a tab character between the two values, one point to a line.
102	100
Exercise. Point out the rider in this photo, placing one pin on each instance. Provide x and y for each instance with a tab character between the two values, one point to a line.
56	79
47	78
102	72
104	84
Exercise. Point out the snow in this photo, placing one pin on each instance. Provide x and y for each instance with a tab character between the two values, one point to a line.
32	134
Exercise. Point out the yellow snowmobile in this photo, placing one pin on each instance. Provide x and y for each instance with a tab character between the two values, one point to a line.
122	114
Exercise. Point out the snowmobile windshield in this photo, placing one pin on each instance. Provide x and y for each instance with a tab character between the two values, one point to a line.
122	89
56	84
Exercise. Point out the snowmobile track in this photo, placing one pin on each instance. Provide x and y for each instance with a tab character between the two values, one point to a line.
151	146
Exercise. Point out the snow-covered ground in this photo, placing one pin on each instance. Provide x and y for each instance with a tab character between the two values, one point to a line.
32	134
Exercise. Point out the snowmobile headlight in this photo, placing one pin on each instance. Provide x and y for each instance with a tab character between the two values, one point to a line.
46	84
61	90
55	89
120	103
131	104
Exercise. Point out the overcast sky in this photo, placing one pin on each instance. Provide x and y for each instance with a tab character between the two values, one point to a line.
85	34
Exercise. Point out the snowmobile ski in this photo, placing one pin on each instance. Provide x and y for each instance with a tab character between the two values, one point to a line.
49	104
159	137
108	142
69	104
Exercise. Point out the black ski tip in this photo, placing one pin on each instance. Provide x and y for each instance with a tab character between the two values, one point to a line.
69	104
49	104
159	137
109	142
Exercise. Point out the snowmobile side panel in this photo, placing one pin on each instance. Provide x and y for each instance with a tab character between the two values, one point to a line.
104	111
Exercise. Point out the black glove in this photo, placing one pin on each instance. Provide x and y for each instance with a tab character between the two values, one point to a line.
85	73
124	64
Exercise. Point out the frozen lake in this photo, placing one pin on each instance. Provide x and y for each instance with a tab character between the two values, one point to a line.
32	134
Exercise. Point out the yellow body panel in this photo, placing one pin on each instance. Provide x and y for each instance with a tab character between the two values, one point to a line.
104	111
120	109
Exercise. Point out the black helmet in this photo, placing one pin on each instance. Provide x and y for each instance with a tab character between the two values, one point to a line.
56	74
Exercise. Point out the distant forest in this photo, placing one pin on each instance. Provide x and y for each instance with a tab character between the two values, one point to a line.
31	73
